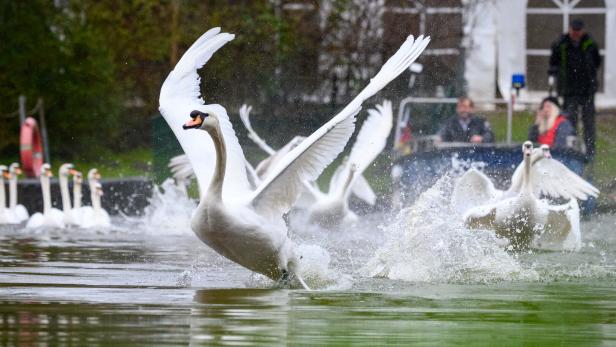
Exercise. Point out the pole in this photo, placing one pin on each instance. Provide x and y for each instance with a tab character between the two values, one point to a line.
41	107
22	109
510	105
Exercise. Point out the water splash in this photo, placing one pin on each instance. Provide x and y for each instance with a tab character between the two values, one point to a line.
428	242
169	211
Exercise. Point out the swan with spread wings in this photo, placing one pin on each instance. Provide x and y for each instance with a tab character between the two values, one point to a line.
242	224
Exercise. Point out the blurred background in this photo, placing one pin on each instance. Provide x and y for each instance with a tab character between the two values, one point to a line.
95	67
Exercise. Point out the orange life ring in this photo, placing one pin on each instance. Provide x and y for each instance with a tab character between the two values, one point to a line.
30	148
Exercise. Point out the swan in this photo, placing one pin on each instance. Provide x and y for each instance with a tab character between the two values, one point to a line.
78	210
550	178
331	209
247	226
19	211
6	215
70	215
360	186
51	217
523	218
95	215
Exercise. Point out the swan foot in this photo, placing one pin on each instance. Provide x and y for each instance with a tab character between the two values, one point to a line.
285	280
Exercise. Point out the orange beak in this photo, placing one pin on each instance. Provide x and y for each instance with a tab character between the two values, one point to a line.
48	173
73	172
194	123
6	174
18	171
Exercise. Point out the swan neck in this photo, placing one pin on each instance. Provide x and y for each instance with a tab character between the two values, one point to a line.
526	186
96	199
13	192
215	189
46	190
76	195
66	197
2	195
346	187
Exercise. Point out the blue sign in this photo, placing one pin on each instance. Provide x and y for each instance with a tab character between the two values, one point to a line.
518	81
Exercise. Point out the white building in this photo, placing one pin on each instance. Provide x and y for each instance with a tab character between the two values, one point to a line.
497	38
515	37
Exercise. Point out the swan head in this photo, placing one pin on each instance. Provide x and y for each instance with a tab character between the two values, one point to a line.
67	169
545	149
4	171
46	170
201	120
527	148
78	177
93	175
14	169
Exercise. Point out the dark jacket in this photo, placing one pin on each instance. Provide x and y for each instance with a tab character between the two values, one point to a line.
564	130
575	65
452	131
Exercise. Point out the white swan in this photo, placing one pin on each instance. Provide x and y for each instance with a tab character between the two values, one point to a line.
360	186
549	177
523	218
19	211
95	216
331	209
182	171
51	217
79	210
242	225
71	217
6	215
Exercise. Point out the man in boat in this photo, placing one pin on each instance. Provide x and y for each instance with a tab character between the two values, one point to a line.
465	126
551	126
574	62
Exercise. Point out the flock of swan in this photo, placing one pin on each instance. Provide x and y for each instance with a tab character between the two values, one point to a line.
72	214
240	211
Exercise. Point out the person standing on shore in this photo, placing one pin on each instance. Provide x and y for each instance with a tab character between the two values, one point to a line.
574	62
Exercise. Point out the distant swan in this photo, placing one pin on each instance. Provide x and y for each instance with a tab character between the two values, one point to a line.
71	217
51	217
331	209
95	216
6	215
523	218
19	211
243	225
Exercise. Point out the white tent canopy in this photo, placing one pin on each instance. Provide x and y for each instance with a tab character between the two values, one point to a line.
499	46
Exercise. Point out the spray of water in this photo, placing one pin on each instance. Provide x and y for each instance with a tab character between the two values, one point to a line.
169	211
428	242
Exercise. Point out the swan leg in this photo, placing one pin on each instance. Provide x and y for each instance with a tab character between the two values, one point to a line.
301	281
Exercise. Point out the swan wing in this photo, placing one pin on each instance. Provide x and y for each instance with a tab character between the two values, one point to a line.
551	178
179	95
474	188
180	167
252	134
372	136
370	142
562	228
362	189
307	161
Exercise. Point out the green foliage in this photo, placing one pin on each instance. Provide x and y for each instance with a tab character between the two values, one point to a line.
54	54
